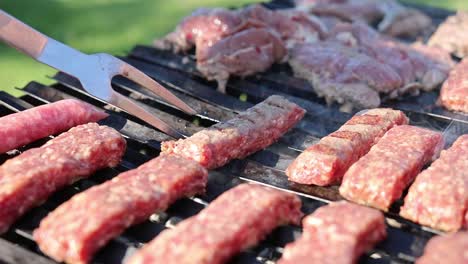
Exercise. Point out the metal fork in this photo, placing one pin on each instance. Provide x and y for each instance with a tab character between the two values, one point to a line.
94	72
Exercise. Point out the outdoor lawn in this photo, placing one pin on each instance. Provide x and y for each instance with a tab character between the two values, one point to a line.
112	26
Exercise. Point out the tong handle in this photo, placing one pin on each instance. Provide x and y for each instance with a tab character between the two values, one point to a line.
21	36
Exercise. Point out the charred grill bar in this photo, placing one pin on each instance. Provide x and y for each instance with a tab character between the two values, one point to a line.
405	241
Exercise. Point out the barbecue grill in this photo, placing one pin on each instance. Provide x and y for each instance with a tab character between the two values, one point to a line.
177	72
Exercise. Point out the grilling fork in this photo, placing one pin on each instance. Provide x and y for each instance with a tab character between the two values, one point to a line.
94	71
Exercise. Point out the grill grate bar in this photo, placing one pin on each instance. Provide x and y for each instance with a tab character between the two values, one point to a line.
11	253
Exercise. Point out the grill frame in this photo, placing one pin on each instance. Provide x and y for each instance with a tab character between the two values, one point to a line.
405	242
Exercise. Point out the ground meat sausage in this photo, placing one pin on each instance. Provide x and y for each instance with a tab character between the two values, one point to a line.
338	233
438	198
446	249
236	220
325	162
30	125
79	227
250	131
28	179
380	177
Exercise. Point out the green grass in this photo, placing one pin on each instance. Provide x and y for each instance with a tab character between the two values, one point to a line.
448	4
112	26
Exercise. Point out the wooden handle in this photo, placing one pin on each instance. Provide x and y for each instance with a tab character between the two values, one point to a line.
20	36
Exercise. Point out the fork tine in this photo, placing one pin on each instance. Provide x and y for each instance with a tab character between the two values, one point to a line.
142	79
136	110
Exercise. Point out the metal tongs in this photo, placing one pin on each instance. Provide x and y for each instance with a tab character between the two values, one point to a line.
94	72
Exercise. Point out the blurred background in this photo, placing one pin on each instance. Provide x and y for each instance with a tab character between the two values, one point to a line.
112	26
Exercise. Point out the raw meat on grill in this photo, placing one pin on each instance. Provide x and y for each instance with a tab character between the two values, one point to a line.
419	66
236	220
79	227
250	40
343	74
250	131
454	92
431	64
241	54
204	26
371	43
393	18
25	127
330	22
338	233
355	63
241	42
28	179
402	21
294	26
451	35
380	176
326	162
439	196
450	248
345	10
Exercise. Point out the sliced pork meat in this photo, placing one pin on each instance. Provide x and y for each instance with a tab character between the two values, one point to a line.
292	25
343	74
27	126
373	44
330	22
402	21
439	196
325	162
454	92
259	41
30	178
338	233
204	26
241	42
236	220
345	10
380	176
250	131
241	54
450	248
79	227
392	18
419	66
452	35
432	65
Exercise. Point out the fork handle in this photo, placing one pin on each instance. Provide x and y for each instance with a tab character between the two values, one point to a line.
21	36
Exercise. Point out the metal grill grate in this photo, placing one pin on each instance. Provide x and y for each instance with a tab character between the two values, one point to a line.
177	72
